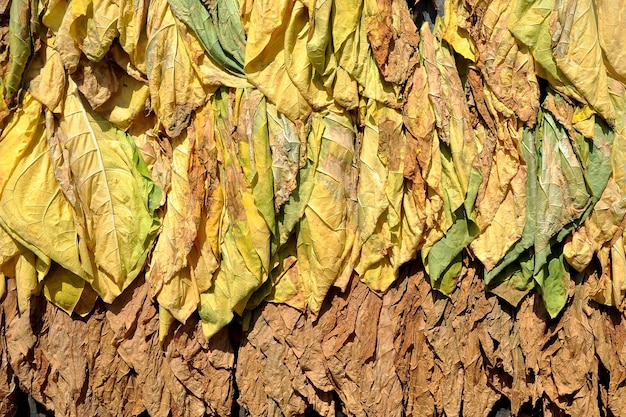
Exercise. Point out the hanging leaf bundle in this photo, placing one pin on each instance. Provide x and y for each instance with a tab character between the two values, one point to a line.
210	157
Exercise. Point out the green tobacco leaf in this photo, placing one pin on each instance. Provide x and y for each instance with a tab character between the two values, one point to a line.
560	193
20	45
230	31
444	256
197	17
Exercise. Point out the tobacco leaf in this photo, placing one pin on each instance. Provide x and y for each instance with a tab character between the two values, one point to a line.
286	151
30	220
393	37
310	82
265	64
508	67
49	85
168	275
386	238
326	232
609	36
204	180
97	81
578	54
222	38
245	233
175	88
116	223
20	46
93	26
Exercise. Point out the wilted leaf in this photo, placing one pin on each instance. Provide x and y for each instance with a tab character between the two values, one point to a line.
93	26
20	46
222	38
168	274
175	89
116	197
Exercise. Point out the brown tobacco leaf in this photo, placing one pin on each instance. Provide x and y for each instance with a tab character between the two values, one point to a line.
8	386
416	353
508	66
393	37
97	81
112	364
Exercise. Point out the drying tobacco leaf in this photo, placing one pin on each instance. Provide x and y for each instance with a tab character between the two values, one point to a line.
265	57
393	37
115	197
245	233
30	220
609	36
326	232
175	88
578	54
167	274
93	26
507	66
385	239
49	85
20	46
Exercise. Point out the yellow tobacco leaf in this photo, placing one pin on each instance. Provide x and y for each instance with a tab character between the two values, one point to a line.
610	286
309	82
87	301
26	279
507	224
58	18
578	54
175	88
115	197
600	227
610	16
454	30
265	63
32	206
127	103
63	288
508	66
380	195
19	136
179	296
203	172
327	229
93	26
245	235
168	273
131	25
49	84
9	250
